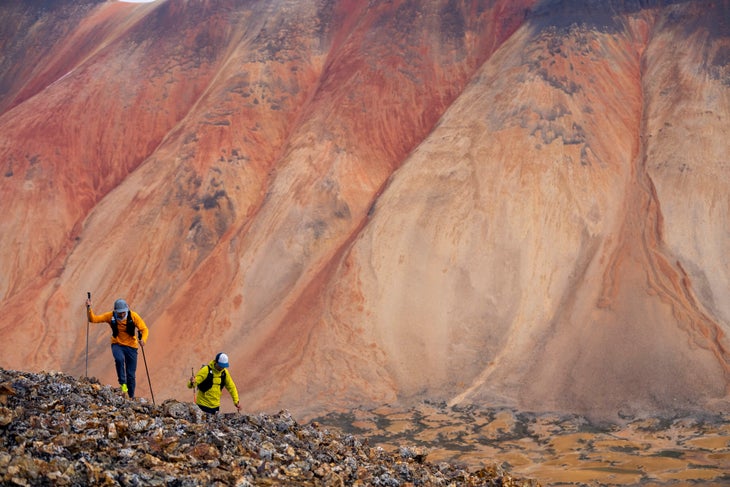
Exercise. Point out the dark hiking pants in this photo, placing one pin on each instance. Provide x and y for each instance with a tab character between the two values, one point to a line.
209	410
125	360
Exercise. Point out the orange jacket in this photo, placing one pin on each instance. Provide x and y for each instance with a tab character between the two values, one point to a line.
123	338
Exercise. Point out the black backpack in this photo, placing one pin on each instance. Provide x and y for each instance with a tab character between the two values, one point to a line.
208	381
115	326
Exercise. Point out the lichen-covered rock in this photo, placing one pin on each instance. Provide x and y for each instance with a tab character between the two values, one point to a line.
51	435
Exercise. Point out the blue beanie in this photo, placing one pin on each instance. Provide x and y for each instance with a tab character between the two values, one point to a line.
120	306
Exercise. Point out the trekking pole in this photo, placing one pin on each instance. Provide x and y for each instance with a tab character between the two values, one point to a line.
192	376
139	334
86	374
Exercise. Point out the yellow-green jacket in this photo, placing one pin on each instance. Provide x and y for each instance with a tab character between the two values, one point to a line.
212	397
122	338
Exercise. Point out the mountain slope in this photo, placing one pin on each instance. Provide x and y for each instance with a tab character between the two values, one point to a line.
512	202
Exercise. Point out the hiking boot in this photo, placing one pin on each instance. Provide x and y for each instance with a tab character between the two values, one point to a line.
125	390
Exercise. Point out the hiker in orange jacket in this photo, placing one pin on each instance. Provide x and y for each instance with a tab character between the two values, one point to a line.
124	340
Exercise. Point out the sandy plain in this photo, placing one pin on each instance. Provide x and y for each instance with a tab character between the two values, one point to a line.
555	449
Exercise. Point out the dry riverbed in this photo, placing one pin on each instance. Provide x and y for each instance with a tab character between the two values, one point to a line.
554	449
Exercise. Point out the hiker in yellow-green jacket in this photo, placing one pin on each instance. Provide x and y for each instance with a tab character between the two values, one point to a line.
210	381
124	324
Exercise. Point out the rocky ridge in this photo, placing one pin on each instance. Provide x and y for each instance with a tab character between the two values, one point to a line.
59	430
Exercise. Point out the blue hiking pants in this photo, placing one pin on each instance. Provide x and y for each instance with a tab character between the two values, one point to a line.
125	359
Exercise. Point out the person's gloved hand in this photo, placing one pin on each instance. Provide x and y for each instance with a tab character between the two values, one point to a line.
238	406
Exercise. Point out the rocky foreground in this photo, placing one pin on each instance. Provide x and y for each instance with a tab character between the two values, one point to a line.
59	430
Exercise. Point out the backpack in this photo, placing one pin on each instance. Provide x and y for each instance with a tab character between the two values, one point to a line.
208	381
129	328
